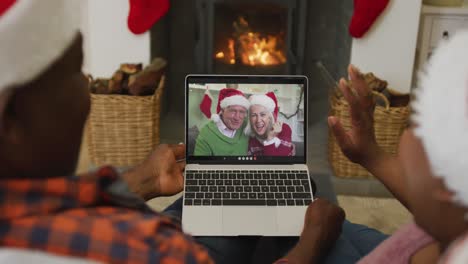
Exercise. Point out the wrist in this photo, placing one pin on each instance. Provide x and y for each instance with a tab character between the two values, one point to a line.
138	184
372	158
303	253
307	249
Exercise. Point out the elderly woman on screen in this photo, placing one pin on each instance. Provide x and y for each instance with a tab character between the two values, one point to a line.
268	136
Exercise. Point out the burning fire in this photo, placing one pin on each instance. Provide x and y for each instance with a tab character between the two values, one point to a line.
251	47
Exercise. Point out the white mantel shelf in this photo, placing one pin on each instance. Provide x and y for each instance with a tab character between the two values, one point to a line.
437	10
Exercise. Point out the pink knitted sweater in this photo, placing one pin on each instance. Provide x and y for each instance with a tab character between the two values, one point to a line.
399	247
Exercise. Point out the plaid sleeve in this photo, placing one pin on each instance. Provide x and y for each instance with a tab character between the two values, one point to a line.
73	216
176	247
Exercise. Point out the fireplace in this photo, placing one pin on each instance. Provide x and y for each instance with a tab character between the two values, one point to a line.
305	31
250	37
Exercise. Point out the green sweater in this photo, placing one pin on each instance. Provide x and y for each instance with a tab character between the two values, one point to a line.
211	142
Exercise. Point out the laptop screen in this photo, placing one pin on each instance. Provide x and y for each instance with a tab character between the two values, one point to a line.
246	119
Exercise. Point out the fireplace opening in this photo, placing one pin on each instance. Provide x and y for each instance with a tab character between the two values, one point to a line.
250	37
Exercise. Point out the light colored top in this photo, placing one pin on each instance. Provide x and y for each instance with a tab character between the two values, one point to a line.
224	129
400	247
211	142
272	141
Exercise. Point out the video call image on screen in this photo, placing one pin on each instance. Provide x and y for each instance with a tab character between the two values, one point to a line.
245	120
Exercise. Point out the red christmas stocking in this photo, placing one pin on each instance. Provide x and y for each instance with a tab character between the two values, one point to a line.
144	13
365	13
5	5
205	105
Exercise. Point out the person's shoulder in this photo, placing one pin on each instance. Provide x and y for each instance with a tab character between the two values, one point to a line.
286	128
208	126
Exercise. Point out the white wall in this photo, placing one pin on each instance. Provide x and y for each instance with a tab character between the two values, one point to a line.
388	49
107	40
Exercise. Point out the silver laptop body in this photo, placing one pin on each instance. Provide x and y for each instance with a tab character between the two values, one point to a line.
247	195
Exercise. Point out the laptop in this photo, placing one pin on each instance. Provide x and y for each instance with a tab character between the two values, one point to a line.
237	182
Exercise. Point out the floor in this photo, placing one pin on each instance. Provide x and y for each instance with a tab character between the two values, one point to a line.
381	211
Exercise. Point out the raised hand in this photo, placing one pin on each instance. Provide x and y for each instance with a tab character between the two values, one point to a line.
275	130
359	143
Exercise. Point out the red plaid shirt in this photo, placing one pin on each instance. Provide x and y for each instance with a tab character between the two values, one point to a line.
90	217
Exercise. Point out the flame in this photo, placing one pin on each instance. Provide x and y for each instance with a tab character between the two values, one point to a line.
231	51
252	48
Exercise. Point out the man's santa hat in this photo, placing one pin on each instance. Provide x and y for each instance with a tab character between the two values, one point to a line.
268	101
227	97
34	34
441	114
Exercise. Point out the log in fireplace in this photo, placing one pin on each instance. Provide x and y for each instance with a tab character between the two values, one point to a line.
250	37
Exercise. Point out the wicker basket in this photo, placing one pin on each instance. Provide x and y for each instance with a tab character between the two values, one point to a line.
389	124
122	129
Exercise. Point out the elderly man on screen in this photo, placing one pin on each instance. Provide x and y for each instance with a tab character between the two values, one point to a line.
223	135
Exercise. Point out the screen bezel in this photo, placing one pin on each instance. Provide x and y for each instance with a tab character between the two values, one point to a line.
260	79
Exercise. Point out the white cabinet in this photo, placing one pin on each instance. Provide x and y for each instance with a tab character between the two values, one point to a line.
388	49
403	38
107	40
443	27
437	24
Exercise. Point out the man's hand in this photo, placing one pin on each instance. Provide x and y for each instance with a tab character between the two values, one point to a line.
359	144
160	174
322	226
323	221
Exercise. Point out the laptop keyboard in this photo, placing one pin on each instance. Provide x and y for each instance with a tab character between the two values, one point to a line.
258	187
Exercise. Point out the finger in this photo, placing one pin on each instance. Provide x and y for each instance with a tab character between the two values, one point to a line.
359	83
347	92
342	138
179	183
181	166
351	99
179	150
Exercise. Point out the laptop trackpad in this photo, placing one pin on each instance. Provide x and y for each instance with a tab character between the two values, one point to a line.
245	220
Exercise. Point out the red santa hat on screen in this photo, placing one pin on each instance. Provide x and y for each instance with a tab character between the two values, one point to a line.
227	97
441	114
268	101
33	35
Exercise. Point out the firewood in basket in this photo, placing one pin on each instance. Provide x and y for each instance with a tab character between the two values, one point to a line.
100	86
90	79
398	99
373	82
115	83
145	82
131	68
